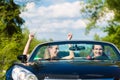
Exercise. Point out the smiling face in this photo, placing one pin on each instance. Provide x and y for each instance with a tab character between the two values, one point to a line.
53	51
97	50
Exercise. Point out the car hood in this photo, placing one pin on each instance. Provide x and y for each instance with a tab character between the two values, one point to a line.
76	69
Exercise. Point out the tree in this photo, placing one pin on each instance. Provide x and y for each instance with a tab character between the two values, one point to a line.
113	35
96	37
11	33
12	37
115	6
97	11
10	21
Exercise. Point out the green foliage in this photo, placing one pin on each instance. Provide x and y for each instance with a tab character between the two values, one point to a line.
12	47
96	37
9	16
113	36
9	49
97	9
94	11
11	34
115	6
12	38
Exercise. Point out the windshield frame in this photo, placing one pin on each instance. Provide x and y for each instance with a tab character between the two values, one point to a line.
34	52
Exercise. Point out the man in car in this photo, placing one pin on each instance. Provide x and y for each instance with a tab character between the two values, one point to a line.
98	53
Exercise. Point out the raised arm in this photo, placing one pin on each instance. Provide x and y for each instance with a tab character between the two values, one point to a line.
69	36
71	53
26	49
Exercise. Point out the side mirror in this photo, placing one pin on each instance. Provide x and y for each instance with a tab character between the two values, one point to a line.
22	58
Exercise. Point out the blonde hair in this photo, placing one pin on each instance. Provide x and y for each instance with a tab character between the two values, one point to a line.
46	54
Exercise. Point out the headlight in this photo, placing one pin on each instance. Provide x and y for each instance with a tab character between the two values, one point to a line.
20	73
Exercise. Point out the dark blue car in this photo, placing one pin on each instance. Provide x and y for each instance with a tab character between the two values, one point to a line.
84	65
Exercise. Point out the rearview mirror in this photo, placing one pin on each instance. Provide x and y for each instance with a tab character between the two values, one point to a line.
76	48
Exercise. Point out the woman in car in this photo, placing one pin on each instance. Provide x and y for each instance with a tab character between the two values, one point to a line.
52	51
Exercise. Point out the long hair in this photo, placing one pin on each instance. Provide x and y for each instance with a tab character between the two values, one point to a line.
47	53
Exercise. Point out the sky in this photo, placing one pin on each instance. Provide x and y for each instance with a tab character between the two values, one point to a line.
56	18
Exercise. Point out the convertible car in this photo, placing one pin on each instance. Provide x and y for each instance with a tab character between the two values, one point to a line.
80	67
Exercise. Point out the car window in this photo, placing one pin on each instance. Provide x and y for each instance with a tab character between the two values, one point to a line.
111	53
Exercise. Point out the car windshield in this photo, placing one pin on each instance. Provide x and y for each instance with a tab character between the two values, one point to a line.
82	50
